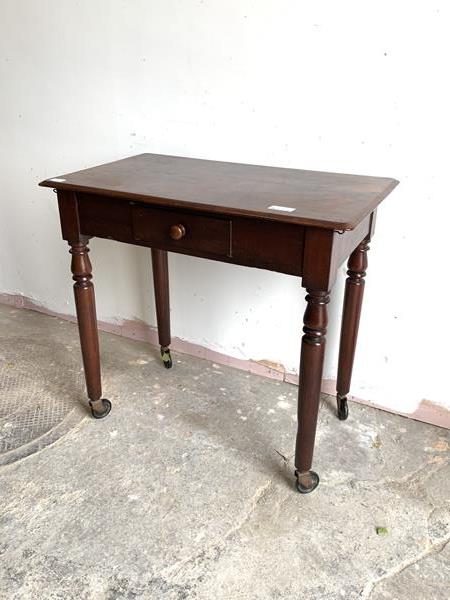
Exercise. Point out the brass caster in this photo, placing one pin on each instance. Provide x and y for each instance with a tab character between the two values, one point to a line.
167	359
307	482
342	408
102	414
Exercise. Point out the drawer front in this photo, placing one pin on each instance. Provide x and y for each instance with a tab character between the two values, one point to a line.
183	231
240	240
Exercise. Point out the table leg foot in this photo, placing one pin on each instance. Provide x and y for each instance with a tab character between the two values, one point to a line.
307	482
166	357
100	408
342	407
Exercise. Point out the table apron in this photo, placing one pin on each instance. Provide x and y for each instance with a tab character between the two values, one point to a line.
312	252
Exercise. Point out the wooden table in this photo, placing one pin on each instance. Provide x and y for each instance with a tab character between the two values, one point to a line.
303	223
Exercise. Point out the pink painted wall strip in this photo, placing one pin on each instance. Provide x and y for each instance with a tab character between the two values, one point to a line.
427	411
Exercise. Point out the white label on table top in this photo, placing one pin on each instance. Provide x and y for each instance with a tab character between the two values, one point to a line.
57	179
282	208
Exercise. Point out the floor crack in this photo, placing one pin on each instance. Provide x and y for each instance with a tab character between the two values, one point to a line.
421	474
370	586
282	456
215	548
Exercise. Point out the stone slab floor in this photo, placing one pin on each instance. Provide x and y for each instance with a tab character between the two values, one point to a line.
186	489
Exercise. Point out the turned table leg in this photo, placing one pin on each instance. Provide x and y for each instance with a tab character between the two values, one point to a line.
87	326
311	366
354	291
161	287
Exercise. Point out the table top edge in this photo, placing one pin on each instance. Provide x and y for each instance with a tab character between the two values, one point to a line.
173	203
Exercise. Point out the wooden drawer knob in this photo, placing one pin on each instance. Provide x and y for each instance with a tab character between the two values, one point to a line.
177	232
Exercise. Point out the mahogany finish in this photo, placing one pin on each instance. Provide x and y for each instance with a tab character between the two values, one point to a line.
330	200
303	223
311	366
161	286
87	319
178	230
354	292
268	244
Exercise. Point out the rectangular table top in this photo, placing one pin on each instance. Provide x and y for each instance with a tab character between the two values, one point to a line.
329	200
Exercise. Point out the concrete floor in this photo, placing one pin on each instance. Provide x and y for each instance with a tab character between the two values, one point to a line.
186	489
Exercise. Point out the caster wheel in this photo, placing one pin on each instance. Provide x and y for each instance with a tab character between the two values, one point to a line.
167	359
104	413
307	482
342	409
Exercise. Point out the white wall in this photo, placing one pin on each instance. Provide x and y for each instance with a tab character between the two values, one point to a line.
341	86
